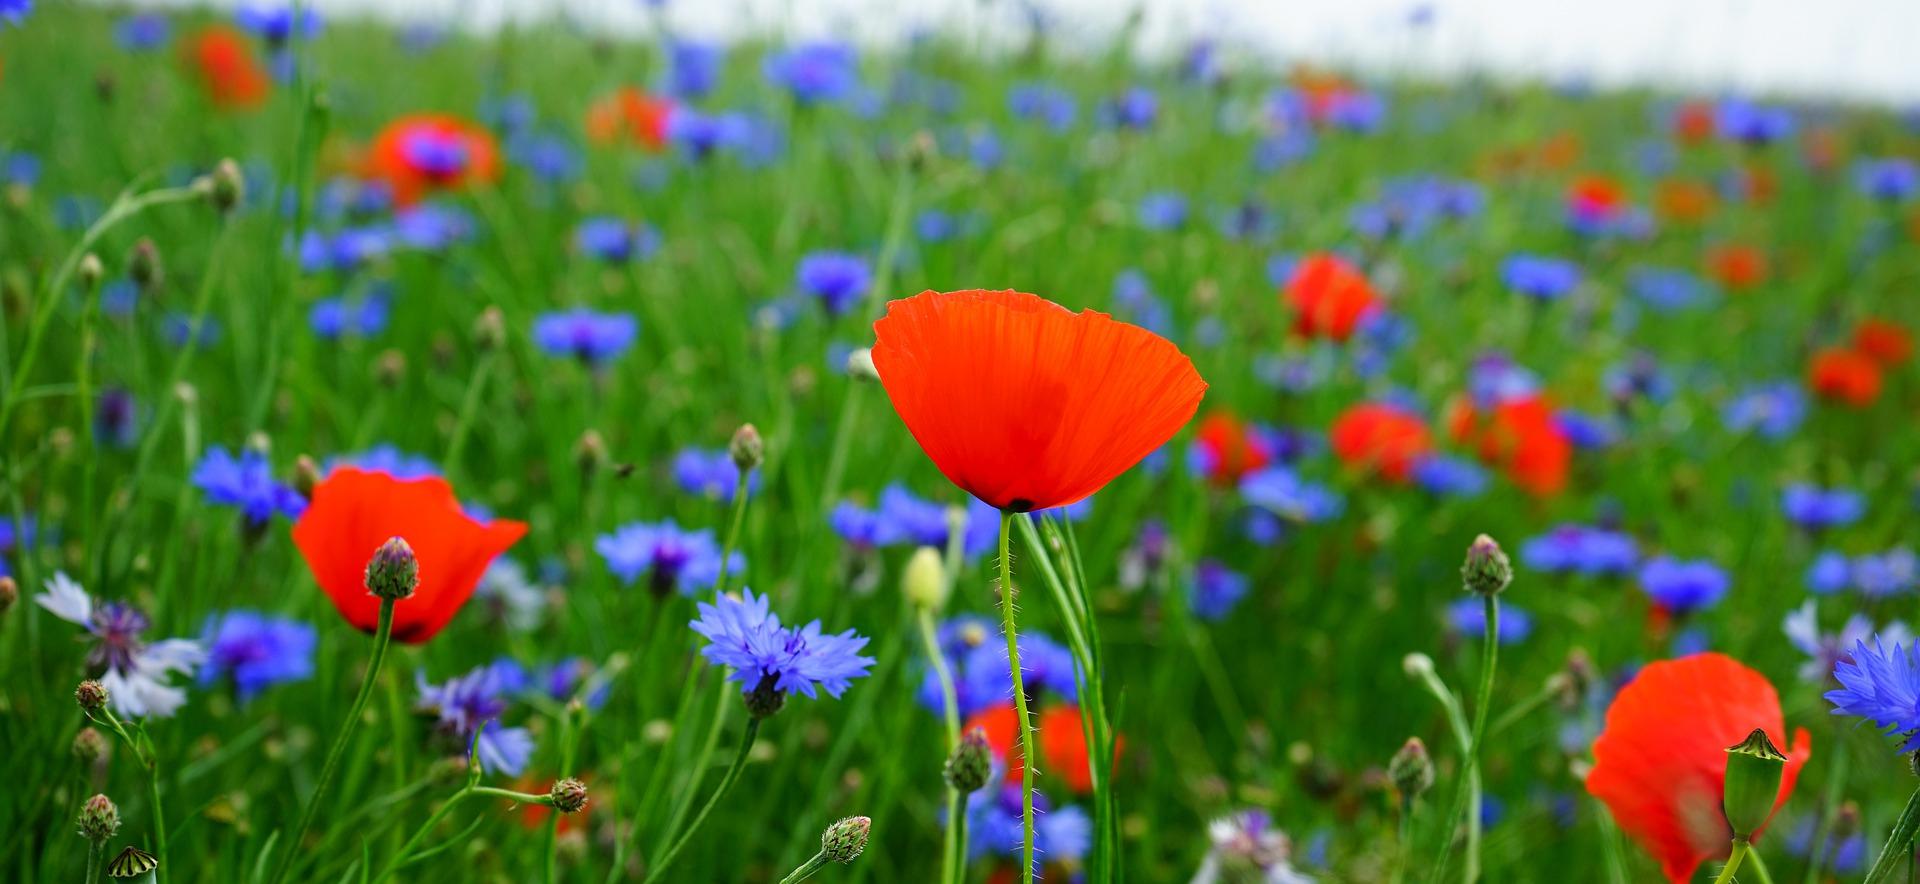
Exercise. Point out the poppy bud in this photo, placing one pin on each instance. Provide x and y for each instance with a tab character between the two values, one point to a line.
393	573
844	840
91	695
143	266
1753	783
9	593
1487	570
925	580
1411	769
306	475
490	330
89	745
569	795
860	365
765	700
971	764
99	819
747	449
226	186
90	271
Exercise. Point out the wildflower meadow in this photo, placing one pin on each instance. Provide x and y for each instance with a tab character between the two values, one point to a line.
540	455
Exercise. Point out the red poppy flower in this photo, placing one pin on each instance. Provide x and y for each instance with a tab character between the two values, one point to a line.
1376	437
354	511
1844	375
1521	437
1693	122
1738	267
1684	201
1230	449
1001	726
1024	403
1882	341
223	61
422	153
1660	764
630	115
1329	297
1595	198
1063	743
534	816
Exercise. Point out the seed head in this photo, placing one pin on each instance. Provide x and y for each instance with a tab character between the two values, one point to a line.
393	573
1754	768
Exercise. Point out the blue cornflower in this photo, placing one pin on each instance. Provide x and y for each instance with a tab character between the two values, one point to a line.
1882	687
743	635
142	31
861	527
1586	432
984	149
1815	508
1468	617
1134	301
344	251
1281	492
1683	587
1539	277
1772	410
1357	111
975	651
257	651
615	239
838	279
815	72
1829	573
1164	210
1136	108
1061	835
473	704
957	638
246	482
1892	180
1216	590
701	134
672	559
1743	121
389	459
432	227
693	68
181	330
335	318
551	158
15	11
1450	476
562	680
116	418
1048	104
278	24
1580	549
1896	570
138	674
584	334
710	473
1638	377
1666	290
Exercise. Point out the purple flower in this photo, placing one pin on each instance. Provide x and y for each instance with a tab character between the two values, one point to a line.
701	134
1743	121
472	704
434	152
838	279
1048	104
1136	108
671	559
387	459
1666	290
1826	650
138	675
710	473
1896	570
1449	476
1578	549
246	482
743	635
1774	410
1281	492
14	12
1682	587
257	651
1829	573
1216	590
586	335
1815	508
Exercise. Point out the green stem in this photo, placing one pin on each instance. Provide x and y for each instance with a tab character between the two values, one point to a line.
1758	865
1899	842
727	547
719	792
93	860
950	704
1028	772
1489	659
90	317
1405	860
1733	862
159	820
469	408
381	638
806	870
420	834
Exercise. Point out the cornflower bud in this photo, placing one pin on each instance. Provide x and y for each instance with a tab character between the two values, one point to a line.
393	573
89	745
1411	769
569	795
9	593
306	476
91	694
845	839
225	186
1487	569
971	764
99	819
490	330
860	365
746	449
90	271
143	266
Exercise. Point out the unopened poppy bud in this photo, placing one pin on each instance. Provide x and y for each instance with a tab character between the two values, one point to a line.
393	573
226	186
90	271
925	580
306	476
747	449
860	365
91	695
971	764
569	795
89	745
765	699
1411	769
844	840
99	819
1487	569
9	593
143	266
1754	769
490	330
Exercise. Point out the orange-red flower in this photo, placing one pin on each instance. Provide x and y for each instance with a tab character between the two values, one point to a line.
632	116
1683	200
1375	437
1521	437
223	61
1843	375
1595	197
1884	342
1693	122
1024	403
422	153
1063	743
1329	297
1738	267
1660	763
1230	449
354	511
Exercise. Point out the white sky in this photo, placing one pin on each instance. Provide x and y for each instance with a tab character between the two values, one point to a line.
1857	48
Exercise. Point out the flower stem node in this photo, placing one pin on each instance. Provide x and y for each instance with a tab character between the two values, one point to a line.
1411	769
971	764
569	795
99	819
747	450
1487	570
92	695
925	580
1754	768
393	573
844	840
